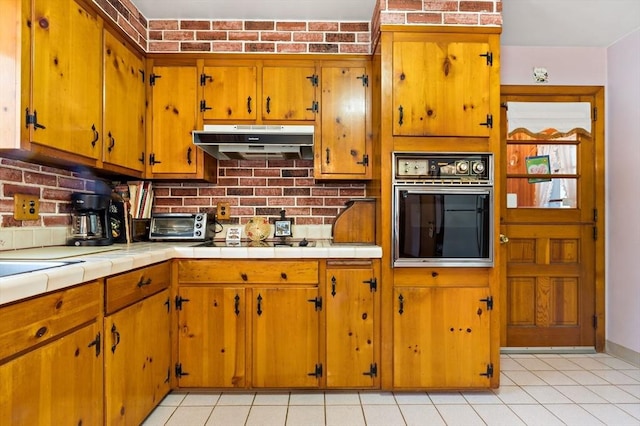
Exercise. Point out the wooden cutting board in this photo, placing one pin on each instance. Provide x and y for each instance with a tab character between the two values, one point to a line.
53	252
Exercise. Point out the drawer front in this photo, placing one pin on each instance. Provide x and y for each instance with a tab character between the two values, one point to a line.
28	323
248	271
130	287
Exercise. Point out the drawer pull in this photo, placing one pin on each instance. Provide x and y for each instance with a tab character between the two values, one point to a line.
41	332
144	282
244	276
283	275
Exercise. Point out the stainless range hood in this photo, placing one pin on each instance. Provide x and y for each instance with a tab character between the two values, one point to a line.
252	142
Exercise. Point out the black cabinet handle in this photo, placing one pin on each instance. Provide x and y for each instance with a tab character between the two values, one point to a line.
328	152
116	338
333	286
236	305
41	332
259	310
96	135
112	142
144	282
268	105
244	276
249	104
401	307
401	111
189	156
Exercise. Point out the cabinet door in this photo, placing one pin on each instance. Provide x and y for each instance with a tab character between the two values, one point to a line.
230	93
137	359
174	109
441	337
289	93
343	148
285	337
124	105
350	327
66	77
441	88
211	337
59	383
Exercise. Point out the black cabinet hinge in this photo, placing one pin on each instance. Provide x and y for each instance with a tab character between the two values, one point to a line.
179	372
489	122
314	80
489	372
373	284
365	80
489	57
152	79
489	302
317	303
315	107
33	119
142	75
152	159
179	301
595	215
203	106
204	78
97	343
168	303
365	160
373	371
318	371
595	114
595	233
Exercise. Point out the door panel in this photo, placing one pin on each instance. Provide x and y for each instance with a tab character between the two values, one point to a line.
551	221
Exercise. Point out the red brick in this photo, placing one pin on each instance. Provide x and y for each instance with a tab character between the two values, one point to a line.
56	220
56	194
195	25
10	190
212	191
340	37
162	24
308	37
163	46
440	6
268	192
461	18
211	35
20	164
227	25
273	172
281	201
312	201
244	35
259	25
199	201
323	48
292	48
291	26
425	18
179	35
304	182
492	19
155	35
281	182
70	183
324	26
354	27
476	6
195	47
260	47
404	4
184	192
324	211
253	182
354	48
241	192
275	36
323	192
13	175
226	46
392	18
253	201
168	201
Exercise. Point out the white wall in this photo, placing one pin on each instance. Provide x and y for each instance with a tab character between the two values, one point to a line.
623	193
567	66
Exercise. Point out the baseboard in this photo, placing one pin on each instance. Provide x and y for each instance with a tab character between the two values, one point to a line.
623	353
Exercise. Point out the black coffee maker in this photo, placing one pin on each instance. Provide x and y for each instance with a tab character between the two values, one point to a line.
90	224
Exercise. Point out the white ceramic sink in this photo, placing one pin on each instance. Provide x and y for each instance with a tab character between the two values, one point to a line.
13	267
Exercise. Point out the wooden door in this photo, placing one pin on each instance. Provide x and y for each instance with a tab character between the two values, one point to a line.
212	322
174	111
124	100
230	93
289	93
66	77
285	339
350	326
441	337
441	86
59	383
553	225
343	147
137	359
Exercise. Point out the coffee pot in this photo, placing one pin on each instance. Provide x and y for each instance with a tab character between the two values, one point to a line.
90	224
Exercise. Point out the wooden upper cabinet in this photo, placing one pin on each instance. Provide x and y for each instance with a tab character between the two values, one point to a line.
174	109
124	105
66	52
442	86
230	93
344	146
289	93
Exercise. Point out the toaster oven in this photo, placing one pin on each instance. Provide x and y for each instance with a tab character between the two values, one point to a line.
179	227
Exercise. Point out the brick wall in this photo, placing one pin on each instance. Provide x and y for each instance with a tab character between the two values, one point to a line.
127	16
53	186
258	188
441	12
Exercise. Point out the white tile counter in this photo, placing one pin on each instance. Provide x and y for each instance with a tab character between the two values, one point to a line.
125	258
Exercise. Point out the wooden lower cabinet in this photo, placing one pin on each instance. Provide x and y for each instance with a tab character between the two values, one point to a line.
351	295
137	359
57	384
211	337
441	337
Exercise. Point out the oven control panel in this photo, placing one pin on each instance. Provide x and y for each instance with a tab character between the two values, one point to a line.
460	167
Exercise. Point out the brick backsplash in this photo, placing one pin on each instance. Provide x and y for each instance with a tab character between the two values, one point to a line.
261	188
53	186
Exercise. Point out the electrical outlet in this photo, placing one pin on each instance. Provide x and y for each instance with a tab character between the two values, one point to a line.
223	211
26	207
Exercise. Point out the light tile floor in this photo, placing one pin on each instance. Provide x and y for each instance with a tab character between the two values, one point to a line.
540	389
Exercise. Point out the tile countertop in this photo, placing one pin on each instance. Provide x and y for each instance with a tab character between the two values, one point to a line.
136	255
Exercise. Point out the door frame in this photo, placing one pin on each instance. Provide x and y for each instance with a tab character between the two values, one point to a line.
594	94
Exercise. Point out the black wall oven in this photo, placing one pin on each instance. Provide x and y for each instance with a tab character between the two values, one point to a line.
443	210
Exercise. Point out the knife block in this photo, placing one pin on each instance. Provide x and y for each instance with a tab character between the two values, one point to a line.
356	223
